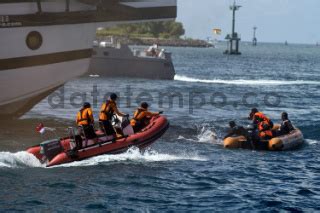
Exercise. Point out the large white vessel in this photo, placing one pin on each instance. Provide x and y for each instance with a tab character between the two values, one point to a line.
45	43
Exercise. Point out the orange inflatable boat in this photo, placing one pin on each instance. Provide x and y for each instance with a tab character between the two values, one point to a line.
59	151
284	142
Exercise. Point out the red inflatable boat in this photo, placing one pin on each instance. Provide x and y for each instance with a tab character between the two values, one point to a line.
58	151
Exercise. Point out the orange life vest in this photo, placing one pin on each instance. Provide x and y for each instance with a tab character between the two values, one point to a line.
264	129
264	134
107	110
85	117
139	117
260	117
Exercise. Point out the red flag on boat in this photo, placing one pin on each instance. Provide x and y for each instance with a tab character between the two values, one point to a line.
40	128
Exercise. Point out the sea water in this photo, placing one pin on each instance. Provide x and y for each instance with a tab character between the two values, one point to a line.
187	169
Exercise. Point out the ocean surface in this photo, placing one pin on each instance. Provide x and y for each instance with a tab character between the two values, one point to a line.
187	169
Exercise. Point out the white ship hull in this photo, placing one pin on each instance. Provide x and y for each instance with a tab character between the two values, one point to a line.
33	82
42	48
22	82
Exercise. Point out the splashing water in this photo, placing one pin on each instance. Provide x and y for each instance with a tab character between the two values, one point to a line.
312	142
135	155
18	160
25	159
207	135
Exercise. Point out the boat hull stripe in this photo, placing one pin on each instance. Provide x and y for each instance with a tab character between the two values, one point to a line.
38	60
119	14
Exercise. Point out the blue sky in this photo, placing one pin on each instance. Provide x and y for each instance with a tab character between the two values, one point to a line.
296	21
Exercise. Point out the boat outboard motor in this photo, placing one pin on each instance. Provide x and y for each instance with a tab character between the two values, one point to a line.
51	148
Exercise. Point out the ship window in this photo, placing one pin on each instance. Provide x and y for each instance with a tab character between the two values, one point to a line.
34	40
106	53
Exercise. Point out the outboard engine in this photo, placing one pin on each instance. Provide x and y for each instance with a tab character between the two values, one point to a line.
51	148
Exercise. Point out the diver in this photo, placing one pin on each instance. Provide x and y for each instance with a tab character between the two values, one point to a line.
86	122
286	125
108	110
262	123
142	116
236	130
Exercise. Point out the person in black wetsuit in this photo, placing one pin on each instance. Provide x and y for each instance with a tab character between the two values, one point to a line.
236	130
286	125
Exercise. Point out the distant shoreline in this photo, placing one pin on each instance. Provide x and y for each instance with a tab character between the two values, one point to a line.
163	42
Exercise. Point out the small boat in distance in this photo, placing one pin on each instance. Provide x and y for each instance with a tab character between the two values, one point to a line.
113	59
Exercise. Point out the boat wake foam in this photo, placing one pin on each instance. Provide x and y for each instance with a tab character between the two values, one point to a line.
25	159
206	135
18	160
312	142
244	82
134	155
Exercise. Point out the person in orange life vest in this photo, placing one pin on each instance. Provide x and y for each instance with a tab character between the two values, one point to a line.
85	119
265	132
142	116
108	109
262	122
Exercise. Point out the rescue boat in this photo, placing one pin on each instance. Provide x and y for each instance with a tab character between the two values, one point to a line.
61	151
289	141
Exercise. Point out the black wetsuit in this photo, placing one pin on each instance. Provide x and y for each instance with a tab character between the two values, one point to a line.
285	127
237	130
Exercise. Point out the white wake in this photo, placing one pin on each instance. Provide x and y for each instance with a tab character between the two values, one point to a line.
244	82
311	142
18	160
207	135
24	159
134	155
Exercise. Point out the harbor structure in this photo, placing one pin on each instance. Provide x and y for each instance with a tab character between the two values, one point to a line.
233	38
254	40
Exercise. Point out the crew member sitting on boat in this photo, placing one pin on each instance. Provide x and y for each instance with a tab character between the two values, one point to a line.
152	50
286	125
263	123
142	116
108	109
236	130
86	122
